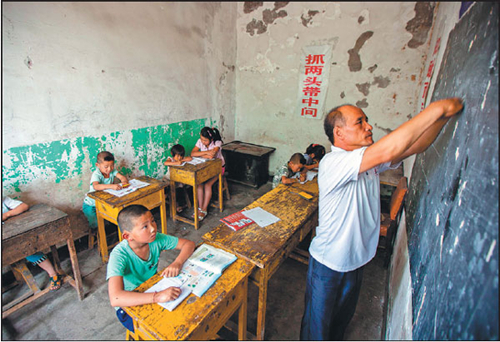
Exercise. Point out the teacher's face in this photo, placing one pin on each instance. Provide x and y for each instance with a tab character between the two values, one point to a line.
356	132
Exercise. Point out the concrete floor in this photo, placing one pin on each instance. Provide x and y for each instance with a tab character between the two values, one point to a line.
60	316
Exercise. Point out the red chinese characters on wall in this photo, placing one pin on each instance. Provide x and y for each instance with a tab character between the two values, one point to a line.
311	86
314	71
430	72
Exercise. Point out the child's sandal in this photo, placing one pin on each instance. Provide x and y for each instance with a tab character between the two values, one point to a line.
202	215
56	282
194	212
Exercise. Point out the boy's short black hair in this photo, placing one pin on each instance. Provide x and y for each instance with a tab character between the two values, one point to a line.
105	156
128	215
298	158
177	150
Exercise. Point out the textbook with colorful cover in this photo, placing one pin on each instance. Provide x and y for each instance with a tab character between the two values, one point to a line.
237	221
197	275
204	267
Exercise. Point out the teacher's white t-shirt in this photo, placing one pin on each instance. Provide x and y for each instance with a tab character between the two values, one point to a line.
349	211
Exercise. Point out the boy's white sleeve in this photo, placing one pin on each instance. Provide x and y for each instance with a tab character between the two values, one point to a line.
10	203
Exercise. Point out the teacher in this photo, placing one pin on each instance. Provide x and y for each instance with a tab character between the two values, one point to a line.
349	208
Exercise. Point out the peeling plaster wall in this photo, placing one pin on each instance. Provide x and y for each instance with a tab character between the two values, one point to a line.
379	51
131	78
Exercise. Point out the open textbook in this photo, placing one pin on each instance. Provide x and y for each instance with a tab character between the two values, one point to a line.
197	275
309	176
204	267
134	184
197	160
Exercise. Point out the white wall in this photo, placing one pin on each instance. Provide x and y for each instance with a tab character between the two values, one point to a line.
131	77
267	67
100	67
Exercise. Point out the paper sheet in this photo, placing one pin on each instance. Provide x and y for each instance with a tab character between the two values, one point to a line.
169	282
260	216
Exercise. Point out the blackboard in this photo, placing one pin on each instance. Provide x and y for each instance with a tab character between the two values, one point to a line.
452	203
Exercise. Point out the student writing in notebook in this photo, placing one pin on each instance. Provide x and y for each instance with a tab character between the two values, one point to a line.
102	178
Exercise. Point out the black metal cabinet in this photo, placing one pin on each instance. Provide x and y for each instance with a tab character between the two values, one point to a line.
247	163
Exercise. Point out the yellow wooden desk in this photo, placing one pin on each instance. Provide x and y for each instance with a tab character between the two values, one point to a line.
35	230
108	206
268	247
196	318
193	175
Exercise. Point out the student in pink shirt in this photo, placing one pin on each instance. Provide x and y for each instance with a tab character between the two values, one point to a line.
209	146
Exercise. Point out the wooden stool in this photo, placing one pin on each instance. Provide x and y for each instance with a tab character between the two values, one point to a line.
225	190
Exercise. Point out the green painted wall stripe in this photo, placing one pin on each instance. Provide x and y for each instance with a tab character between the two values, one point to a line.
138	151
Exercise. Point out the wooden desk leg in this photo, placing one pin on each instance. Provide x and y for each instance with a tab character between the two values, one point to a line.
103	244
23	272
21	268
163	212
195	203
261	311
220	192
242	314
76	268
173	201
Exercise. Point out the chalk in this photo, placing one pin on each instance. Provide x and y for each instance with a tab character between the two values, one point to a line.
490	252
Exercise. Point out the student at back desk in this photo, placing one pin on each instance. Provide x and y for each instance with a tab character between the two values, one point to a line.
285	174
12	207
102	178
178	158
209	146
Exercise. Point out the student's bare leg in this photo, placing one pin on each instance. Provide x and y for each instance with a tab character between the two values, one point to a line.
200	189
208	192
47	266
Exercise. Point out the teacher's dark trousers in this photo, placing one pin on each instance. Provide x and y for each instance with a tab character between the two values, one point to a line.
330	302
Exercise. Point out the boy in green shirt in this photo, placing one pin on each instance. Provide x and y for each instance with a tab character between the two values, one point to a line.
102	178
135	260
